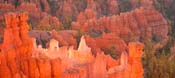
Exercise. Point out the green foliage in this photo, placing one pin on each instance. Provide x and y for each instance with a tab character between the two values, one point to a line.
16	3
67	23
94	33
79	5
53	6
42	6
1	39
124	5
78	37
157	66
48	28
30	25
45	28
26	0
169	13
112	51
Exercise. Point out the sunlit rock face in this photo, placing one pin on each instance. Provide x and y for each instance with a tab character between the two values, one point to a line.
16	47
128	61
20	57
137	25
7	7
65	37
39	12
107	42
83	54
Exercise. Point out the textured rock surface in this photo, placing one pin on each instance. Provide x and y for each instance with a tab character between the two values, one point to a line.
65	11
107	26
109	42
138	25
20	57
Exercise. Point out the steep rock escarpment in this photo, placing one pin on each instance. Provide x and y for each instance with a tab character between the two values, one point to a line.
65	11
20	57
138	25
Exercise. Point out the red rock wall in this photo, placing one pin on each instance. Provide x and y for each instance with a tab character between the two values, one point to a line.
65	11
20	57
137	25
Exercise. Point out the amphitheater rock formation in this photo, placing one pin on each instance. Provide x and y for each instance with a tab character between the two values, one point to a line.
20	57
138	25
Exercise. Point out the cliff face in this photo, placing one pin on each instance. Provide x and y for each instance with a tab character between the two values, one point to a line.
107	32
20	57
16	48
113	44
66	11
138	25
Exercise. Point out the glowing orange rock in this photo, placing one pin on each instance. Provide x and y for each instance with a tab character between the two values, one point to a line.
99	66
49	22
14	22
5	72
82	22
137	25
65	38
18	28
118	71
27	60
4	69
24	67
11	60
44	68
7	33
83	47
33	69
33	9
135	54
25	50
56	67
106	41
83	54
92	44
130	64
7	7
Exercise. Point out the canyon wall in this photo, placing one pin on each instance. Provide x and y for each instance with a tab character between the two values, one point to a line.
142	24
20	57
